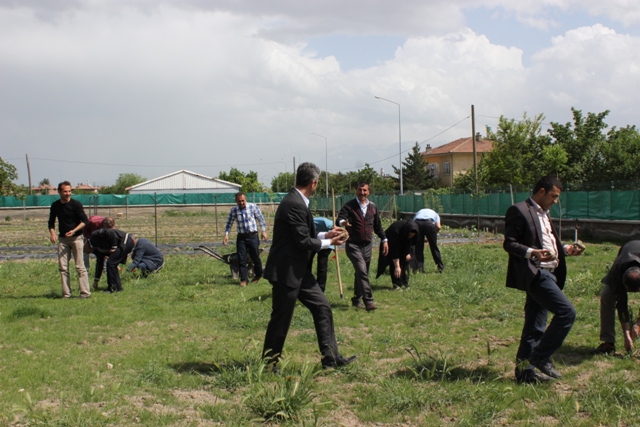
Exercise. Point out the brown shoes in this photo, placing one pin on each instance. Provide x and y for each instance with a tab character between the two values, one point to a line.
256	279
243	284
370	306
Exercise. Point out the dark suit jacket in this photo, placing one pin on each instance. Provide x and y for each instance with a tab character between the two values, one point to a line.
628	256
523	232
294	241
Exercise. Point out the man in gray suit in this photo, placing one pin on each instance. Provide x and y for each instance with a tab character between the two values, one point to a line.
537	266
294	240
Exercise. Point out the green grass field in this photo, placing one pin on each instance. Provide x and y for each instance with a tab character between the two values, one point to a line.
181	348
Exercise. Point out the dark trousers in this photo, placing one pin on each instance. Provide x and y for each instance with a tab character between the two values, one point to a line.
360	256
248	244
322	267
428	229
283	303
115	258
539	341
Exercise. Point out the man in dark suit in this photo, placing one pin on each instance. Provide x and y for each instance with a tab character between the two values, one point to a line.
623	277
537	266
287	269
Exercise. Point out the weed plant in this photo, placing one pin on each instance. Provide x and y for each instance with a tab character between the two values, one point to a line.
182	348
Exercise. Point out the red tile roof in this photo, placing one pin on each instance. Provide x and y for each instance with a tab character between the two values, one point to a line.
461	145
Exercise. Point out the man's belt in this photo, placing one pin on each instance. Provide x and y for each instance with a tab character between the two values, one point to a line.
424	219
253	233
549	269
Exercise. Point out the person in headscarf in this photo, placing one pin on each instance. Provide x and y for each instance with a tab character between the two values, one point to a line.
402	235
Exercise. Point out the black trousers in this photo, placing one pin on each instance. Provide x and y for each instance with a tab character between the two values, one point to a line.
321	267
428	229
283	304
538	340
115	258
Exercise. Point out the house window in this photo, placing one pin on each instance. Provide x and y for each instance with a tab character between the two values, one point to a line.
447	168
433	168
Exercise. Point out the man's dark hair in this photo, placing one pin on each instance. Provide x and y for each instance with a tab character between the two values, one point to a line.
63	184
631	279
362	184
547	182
238	194
306	173
108	222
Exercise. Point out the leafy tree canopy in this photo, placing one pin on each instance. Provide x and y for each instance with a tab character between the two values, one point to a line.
8	174
125	180
249	181
415	174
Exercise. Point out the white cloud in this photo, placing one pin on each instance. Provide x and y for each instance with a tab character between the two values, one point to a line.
186	86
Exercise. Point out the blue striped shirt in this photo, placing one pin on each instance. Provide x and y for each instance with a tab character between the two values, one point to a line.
246	219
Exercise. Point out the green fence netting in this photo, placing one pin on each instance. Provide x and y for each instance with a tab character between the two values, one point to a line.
607	205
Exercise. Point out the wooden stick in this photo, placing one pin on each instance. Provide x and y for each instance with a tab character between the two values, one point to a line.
333	207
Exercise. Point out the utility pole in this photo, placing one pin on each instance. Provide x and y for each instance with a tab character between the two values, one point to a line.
28	172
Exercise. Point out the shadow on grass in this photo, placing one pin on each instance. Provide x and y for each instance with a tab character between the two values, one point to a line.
201	368
48	295
438	371
442	367
574	355
261	297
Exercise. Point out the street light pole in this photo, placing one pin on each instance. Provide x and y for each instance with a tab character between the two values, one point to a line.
326	163
399	141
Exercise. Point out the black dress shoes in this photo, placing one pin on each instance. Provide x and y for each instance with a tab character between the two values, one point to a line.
329	363
533	377
546	367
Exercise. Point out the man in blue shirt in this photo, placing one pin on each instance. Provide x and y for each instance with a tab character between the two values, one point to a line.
146	257
322	225
246	215
429	224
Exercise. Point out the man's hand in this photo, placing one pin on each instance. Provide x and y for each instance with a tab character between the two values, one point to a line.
264	236
338	235
628	342
543	255
408	258
575	249
385	248
225	240
397	272
53	236
70	233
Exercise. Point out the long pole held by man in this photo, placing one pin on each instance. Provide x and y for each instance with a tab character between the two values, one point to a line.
333	207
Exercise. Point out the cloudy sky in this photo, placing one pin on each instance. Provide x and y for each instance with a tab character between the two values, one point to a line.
90	89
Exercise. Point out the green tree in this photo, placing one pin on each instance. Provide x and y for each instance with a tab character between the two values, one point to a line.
249	181
415	175
583	141
45	181
8	174
124	181
520	154
283	182
620	156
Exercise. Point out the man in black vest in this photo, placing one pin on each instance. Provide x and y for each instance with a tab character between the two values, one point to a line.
361	219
